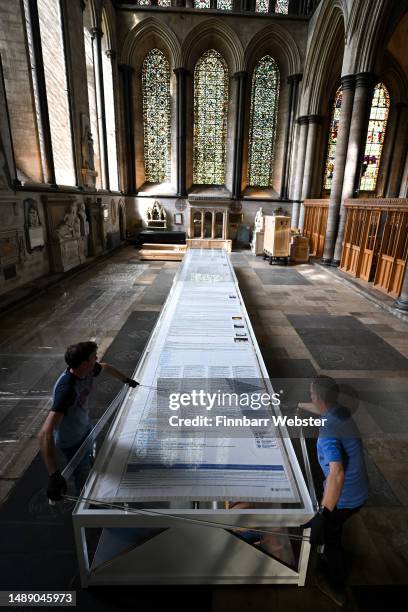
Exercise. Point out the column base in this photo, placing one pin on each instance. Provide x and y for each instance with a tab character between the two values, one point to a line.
335	263
401	304
326	261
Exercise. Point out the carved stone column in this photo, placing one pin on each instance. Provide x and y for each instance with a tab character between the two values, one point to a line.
300	163
241	78
293	82
396	151
314	122
97	34
358	131
347	84
403	192
127	75
181	75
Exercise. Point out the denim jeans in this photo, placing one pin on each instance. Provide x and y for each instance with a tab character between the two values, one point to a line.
82	470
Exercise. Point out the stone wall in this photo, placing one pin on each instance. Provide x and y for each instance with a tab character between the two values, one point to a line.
136	209
30	249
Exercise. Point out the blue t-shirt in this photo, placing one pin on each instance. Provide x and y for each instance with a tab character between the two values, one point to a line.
339	441
70	396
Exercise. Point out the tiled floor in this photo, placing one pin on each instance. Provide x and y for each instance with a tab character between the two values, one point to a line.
306	322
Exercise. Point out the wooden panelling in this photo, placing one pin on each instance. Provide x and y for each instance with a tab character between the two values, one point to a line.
375	244
315	225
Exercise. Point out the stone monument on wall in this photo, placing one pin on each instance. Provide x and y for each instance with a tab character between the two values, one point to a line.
258	234
156	217
34	227
70	240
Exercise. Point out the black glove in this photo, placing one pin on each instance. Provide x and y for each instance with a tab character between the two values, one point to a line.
132	383
318	527
57	486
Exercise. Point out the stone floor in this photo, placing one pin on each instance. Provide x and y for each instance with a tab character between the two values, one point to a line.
306	322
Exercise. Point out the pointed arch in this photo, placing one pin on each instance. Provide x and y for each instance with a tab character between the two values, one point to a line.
276	40
154	29
326	44
215	34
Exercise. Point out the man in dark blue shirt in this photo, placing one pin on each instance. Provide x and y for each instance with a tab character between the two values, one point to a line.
68	423
341	458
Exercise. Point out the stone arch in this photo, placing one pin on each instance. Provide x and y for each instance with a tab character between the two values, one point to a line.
394	77
107	23
321	55
212	33
91	14
147	34
278	42
395	80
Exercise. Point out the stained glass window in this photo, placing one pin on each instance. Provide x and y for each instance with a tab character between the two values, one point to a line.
263	118
331	152
156	116
163	2
282	6
262	6
202	4
375	137
224	5
210	118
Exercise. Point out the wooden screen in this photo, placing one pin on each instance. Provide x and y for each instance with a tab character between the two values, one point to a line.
315	225
375	244
393	253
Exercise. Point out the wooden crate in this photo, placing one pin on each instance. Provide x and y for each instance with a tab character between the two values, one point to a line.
277	236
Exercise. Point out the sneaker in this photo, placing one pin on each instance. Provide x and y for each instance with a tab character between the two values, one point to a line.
338	596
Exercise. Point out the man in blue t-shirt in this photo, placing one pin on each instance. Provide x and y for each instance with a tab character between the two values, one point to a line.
340	455
68	423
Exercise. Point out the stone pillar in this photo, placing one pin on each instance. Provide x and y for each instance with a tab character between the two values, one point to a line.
181	75
402	302
225	225
48	162
347	84
213	224
293	82
358	132
396	151
314	121
127	75
202	223
248	5
241	78
300	162
403	192
97	34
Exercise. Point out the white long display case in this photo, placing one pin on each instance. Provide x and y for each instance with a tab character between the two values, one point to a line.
162	504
